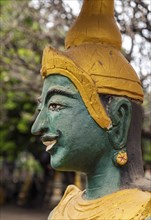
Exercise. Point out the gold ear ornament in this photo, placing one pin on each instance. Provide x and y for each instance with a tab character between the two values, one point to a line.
120	158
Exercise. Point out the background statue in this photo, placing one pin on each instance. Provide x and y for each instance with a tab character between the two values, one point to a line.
90	120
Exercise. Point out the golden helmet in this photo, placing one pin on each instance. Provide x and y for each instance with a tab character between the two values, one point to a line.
93	61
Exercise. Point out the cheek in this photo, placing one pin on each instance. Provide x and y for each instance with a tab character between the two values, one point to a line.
65	120
78	129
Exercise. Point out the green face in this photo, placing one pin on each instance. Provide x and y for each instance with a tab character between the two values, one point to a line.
72	137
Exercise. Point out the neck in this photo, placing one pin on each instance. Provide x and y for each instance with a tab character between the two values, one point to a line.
103	180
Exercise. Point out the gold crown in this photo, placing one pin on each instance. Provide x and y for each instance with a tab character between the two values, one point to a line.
93	61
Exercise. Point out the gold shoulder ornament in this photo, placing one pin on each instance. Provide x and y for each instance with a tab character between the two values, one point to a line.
127	204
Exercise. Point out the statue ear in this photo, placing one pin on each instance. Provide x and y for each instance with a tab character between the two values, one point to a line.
120	114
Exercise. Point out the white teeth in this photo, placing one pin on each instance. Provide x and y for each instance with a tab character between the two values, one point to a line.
49	144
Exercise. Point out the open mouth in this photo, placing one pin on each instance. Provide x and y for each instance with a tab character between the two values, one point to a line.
49	144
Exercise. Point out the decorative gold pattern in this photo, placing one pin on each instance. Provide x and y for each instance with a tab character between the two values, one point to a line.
128	204
121	158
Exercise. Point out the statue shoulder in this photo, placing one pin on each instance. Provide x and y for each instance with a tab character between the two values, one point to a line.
71	190
138	200
123	204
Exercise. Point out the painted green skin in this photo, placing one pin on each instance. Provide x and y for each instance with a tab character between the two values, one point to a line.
81	144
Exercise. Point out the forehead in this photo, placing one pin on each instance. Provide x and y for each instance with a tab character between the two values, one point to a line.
57	81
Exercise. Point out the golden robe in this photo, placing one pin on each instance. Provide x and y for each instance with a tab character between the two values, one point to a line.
124	204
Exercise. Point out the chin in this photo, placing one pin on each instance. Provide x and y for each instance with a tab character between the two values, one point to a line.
61	166
57	164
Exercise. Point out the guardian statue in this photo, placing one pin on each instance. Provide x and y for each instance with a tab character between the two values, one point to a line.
90	120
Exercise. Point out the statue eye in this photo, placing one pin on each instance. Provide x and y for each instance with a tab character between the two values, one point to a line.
55	107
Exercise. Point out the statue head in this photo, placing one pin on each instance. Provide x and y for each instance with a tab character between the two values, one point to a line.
88	109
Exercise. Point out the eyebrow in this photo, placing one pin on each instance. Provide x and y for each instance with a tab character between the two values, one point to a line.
59	92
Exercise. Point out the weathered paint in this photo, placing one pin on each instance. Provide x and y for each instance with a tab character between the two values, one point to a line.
81	144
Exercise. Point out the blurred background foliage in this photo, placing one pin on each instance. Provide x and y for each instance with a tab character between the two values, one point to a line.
26	27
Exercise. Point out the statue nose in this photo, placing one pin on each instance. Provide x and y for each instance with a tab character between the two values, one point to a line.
40	125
